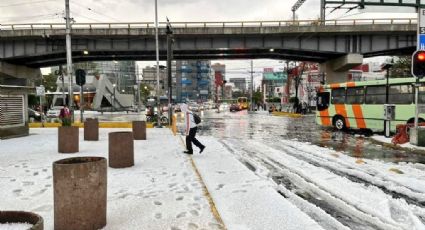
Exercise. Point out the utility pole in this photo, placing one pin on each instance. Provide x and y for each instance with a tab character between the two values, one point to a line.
169	58
157	65
63	85
252	86
69	58
138	90
322	12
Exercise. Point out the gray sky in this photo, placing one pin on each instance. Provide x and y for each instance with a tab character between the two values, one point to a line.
24	11
49	11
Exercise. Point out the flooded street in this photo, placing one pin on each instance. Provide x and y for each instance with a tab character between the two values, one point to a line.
325	170
262	126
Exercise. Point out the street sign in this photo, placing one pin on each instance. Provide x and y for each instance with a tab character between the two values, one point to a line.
421	29
40	90
421	44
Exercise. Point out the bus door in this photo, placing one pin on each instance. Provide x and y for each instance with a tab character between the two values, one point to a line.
322	113
322	101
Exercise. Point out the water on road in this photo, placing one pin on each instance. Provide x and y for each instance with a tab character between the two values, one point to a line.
261	125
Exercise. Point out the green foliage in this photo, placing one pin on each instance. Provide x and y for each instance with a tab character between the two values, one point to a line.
293	100
32	100
145	91
401	67
48	81
274	99
256	97
66	121
237	94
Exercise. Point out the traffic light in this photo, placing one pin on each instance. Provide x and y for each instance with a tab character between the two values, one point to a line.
418	64
80	77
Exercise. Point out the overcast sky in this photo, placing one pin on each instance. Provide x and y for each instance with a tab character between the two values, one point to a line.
37	11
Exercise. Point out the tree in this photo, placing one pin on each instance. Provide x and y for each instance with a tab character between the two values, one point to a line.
145	91
256	97
237	94
48	81
401	67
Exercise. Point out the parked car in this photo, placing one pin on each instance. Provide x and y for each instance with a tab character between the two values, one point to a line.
34	115
194	107
234	107
54	112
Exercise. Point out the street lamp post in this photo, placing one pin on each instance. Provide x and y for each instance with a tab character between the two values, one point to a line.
69	57
169	58
157	63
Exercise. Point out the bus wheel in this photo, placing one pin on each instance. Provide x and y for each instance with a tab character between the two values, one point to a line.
339	123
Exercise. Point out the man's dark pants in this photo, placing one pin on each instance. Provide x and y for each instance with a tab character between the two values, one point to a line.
191	138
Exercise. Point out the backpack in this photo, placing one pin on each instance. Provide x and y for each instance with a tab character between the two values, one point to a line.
196	118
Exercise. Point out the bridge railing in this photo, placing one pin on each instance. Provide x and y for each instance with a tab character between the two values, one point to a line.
212	24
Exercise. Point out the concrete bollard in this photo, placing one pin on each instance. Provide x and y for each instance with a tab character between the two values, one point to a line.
91	129
68	139
80	188
121	149
22	217
139	130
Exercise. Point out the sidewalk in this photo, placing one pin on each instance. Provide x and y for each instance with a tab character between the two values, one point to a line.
165	189
387	142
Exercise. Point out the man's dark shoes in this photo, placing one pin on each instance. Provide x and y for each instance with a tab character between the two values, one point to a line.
202	149
188	152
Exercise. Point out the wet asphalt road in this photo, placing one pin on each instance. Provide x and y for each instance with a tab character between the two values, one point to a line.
261	125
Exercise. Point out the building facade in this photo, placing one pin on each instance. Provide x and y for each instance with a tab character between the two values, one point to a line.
218	75
193	80
240	83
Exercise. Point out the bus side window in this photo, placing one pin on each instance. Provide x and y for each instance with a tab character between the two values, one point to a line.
338	96
375	94
322	101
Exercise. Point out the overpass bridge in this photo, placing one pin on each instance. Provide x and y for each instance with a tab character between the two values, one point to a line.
338	44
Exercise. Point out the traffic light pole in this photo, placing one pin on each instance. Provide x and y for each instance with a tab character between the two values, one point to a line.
81	104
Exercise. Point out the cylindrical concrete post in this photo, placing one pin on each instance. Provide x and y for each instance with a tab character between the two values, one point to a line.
91	129
22	217
121	149
80	187
68	139
139	130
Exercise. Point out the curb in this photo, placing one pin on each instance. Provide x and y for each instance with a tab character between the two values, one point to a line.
397	147
207	194
286	114
81	125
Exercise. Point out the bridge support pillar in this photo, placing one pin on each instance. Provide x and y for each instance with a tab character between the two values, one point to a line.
11	74
336	70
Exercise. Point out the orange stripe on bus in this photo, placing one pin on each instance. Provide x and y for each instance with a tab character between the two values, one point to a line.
351	84
335	85
324	117
358	114
340	109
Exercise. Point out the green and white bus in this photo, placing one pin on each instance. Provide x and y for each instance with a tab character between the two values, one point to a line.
360	105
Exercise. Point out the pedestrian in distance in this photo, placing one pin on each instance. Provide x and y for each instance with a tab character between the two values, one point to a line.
190	130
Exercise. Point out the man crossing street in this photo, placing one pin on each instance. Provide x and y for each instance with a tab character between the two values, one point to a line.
190	130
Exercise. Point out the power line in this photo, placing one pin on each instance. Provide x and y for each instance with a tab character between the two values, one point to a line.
26	3
94	11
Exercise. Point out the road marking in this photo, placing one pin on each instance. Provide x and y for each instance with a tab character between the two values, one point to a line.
207	194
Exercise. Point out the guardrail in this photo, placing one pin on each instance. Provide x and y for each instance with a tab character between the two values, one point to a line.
229	24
